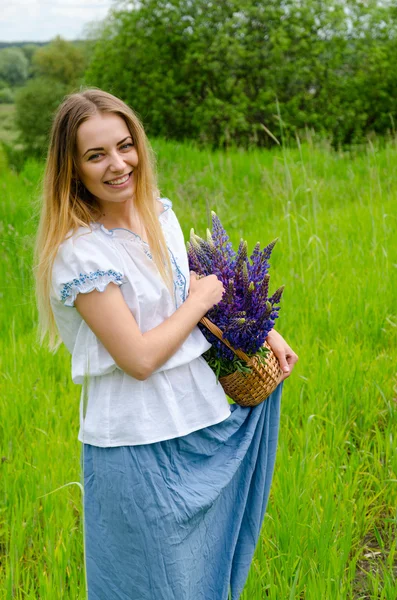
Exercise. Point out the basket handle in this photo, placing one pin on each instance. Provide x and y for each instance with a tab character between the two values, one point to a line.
218	333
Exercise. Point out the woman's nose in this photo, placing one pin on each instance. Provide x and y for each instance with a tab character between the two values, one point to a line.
116	162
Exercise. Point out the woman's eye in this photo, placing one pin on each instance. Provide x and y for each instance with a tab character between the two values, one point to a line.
95	156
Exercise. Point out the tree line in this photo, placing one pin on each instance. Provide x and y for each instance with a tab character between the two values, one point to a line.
222	72
231	71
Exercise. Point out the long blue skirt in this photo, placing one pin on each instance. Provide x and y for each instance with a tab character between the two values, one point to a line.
180	519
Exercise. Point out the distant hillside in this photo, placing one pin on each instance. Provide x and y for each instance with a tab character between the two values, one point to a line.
19	44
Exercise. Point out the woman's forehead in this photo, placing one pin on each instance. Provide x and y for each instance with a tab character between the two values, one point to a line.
100	130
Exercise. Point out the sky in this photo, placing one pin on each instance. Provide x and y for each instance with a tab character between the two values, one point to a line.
42	20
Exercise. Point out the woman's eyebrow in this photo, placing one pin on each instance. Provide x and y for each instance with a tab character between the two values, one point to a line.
90	149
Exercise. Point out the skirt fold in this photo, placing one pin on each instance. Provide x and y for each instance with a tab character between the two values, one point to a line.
180	519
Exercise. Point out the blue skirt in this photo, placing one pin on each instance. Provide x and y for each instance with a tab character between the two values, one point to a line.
180	519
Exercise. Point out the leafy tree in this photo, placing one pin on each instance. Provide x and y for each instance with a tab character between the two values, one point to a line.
35	105
29	50
6	96
13	66
59	60
57	69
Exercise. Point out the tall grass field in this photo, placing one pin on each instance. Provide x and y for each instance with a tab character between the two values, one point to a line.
330	530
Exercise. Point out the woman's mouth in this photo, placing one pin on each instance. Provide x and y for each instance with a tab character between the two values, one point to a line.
120	182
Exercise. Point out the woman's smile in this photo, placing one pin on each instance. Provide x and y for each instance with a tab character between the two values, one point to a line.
120	182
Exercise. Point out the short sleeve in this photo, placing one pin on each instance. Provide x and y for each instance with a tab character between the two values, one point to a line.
84	263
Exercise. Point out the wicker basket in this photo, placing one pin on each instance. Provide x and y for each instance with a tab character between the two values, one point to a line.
252	388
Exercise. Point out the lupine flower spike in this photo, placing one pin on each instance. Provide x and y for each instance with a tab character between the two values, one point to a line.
246	313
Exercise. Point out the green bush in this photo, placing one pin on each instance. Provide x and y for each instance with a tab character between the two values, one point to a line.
16	157
59	60
35	105
13	66
6	96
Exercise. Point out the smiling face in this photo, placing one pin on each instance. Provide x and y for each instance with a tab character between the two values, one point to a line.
107	158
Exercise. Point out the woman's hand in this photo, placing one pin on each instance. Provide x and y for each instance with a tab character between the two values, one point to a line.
208	290
286	356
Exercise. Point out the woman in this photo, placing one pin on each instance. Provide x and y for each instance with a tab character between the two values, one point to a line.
176	479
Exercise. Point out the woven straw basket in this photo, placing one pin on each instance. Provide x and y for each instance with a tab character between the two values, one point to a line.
249	389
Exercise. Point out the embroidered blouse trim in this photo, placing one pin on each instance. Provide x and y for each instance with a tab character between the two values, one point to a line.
85	283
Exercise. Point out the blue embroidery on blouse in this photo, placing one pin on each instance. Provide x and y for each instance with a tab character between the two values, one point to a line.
180	281
167	206
92	276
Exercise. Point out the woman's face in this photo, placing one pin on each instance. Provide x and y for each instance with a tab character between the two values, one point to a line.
107	158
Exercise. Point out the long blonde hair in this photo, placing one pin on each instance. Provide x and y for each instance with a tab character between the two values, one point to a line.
67	205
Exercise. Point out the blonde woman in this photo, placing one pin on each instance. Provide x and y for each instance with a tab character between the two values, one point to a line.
176	480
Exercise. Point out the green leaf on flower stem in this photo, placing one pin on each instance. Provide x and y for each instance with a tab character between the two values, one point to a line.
262	355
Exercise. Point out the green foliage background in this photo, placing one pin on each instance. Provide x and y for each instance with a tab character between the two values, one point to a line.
218	72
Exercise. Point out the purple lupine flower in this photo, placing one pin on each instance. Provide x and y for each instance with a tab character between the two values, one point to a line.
194	262
245	314
248	305
204	260
221	238
275	299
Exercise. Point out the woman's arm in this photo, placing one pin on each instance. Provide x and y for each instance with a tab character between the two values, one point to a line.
137	353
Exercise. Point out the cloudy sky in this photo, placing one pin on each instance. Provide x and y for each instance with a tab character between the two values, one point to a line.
42	20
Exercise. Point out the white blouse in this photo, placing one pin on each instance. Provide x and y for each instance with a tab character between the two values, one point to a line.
116	409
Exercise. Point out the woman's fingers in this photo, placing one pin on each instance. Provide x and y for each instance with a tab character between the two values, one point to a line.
284	354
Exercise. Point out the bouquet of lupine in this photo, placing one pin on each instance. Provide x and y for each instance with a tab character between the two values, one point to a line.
246	313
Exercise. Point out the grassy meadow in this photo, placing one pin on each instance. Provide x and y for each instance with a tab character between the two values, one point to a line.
331	527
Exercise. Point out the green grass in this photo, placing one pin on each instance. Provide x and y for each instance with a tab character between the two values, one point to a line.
331	526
